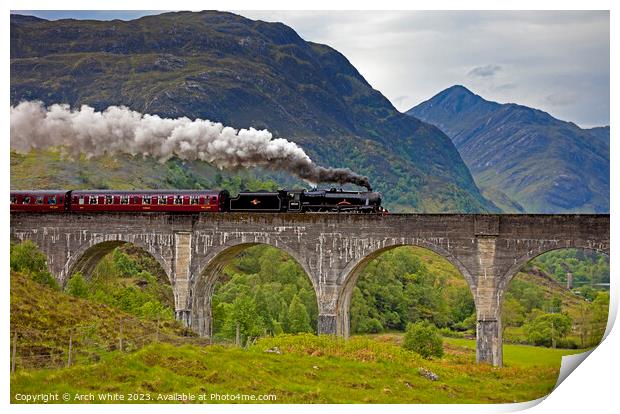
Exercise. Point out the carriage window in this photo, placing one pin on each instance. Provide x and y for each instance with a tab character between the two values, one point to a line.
26	200
13	199
39	200
213	200
93	200
81	201
146	200
124	199
51	200
193	200
178	200
109	199
163	200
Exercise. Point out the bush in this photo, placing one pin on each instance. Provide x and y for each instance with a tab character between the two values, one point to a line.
567	344
423	339
450	333
77	286
28	259
46	279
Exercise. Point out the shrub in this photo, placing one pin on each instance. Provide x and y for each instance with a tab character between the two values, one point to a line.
450	333
567	343
77	286
423	339
27	258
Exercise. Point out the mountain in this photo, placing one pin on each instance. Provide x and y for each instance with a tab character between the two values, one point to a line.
243	73
523	158
601	133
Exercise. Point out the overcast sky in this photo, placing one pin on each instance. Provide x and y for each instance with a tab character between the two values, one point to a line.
557	61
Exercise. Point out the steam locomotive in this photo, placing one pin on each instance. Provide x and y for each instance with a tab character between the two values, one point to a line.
192	201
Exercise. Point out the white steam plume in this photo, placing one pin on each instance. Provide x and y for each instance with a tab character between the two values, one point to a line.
121	130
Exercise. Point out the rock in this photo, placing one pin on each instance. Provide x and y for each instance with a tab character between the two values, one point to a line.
429	375
167	63
274	350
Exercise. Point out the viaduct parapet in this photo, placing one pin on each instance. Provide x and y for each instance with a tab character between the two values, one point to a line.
333	249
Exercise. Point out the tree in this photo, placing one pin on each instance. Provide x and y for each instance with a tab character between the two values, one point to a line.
297	317
424	339
600	314
242	316
26	257
533	297
584	323
77	286
548	328
424	299
588	292
460	304
125	265
513	313
556	304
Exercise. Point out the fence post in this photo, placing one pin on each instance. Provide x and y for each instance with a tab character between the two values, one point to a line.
120	336
157	331
70	350
14	355
237	336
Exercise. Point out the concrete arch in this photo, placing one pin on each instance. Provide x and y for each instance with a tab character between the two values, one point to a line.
531	255
88	255
348	279
209	271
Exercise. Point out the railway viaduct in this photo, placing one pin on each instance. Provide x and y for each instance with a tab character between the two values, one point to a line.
488	250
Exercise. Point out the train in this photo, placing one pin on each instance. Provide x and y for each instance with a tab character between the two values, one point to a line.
194	201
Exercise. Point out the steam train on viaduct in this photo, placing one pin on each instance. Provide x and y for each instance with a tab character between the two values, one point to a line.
193	201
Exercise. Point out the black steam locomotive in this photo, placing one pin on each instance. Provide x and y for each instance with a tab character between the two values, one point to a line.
302	201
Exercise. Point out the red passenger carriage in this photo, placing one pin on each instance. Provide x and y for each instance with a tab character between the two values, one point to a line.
40	200
186	201
148	200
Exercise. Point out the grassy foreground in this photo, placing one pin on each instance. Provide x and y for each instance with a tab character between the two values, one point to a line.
308	369
158	361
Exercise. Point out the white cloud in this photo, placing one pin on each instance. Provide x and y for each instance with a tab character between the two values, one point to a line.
485	71
536	58
528	56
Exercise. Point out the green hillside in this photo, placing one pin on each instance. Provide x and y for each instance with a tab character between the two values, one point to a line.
50	169
128	352
243	73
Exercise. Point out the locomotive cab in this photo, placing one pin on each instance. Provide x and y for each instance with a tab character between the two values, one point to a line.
294	198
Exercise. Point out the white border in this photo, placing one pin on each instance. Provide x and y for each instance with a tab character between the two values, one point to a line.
591	388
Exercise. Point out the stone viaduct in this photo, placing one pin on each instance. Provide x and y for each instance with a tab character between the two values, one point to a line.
488	250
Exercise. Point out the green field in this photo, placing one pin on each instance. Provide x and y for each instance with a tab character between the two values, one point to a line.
309	369
159	357
522	355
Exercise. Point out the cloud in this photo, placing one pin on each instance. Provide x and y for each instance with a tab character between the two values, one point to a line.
484	71
416	54
561	99
419	53
400	99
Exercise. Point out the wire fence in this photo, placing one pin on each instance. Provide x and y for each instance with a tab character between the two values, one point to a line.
33	348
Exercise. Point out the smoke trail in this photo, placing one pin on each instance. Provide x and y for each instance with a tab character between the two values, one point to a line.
121	130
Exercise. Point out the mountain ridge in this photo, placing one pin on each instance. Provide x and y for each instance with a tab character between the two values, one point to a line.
539	162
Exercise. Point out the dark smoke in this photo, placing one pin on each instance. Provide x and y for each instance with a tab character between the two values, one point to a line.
121	130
